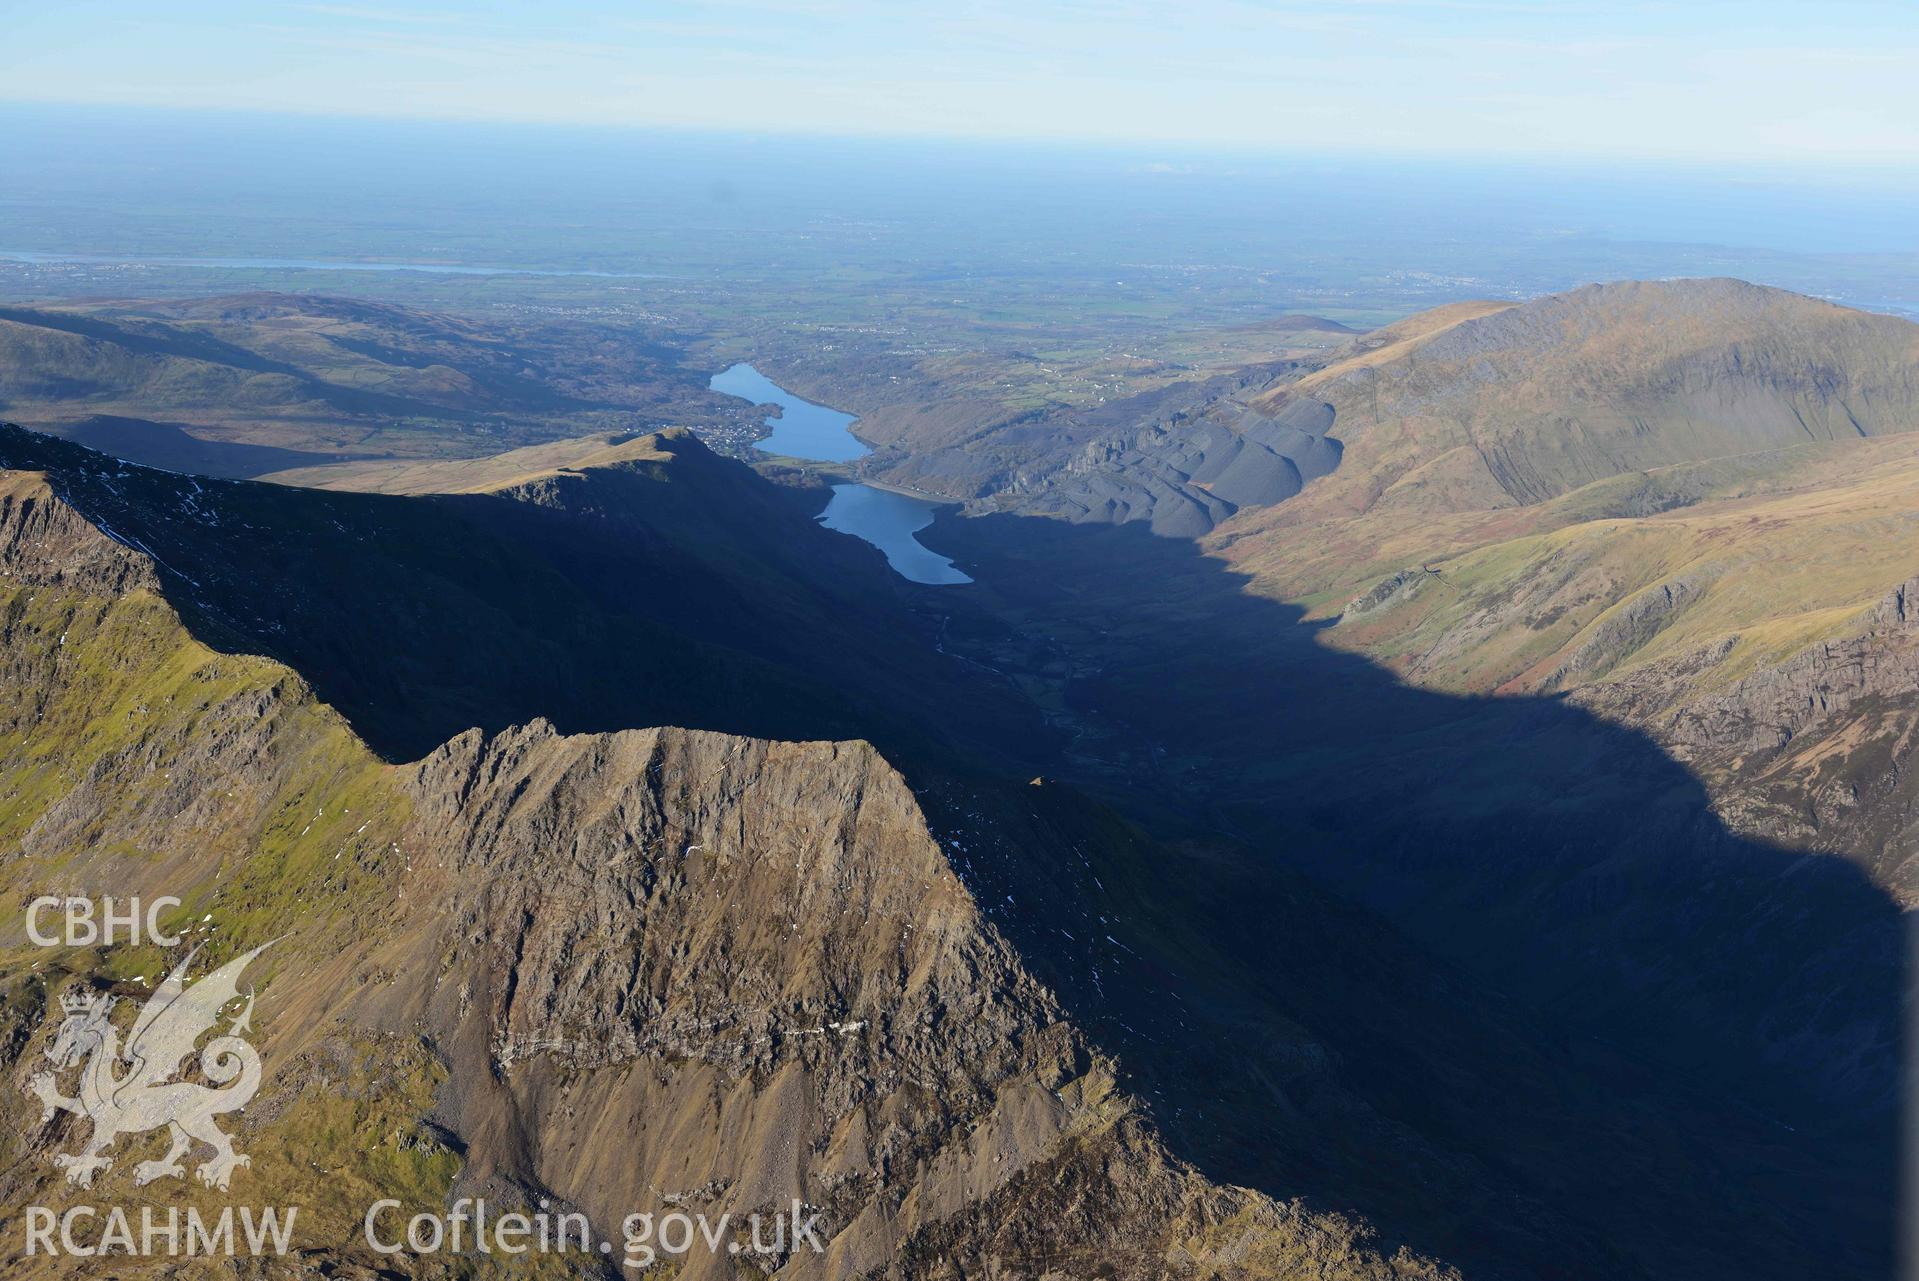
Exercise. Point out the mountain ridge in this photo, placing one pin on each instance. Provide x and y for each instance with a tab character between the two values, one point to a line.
1047	1115
1523	402
697	593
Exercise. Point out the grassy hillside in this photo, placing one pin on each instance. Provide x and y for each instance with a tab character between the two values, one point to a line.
252	383
1478	406
1771	551
1673	502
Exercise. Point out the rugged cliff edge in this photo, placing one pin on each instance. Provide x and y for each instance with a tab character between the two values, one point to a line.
1816	749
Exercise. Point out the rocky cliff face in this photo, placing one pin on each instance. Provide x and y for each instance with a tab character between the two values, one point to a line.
697	970
45	543
1816	749
1764	712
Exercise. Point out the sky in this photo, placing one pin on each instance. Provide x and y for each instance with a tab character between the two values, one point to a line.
1755	80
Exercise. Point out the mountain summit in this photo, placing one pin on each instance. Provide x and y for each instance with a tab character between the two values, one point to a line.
1484	404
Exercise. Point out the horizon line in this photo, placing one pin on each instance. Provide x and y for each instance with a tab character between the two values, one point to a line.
1890	163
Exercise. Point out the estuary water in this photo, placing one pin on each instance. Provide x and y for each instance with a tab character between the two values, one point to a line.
885	518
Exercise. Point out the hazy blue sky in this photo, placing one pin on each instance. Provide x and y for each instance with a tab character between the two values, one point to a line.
1758	78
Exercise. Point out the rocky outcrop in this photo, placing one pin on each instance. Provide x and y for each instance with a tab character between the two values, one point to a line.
1395	589
1768	709
758	962
1627	628
1815	750
46	543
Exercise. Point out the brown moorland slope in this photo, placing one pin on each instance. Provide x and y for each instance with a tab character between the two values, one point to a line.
1482	405
1689	505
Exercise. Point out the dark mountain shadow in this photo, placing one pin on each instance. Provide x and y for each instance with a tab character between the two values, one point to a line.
1683	1043
171	447
1655	1048
684	591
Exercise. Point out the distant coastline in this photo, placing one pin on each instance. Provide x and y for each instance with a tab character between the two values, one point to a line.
307	264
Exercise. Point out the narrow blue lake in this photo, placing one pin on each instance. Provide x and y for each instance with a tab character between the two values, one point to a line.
888	520
883	517
803	429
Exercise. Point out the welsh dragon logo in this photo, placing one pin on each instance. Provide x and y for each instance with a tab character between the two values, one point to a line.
146	1096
